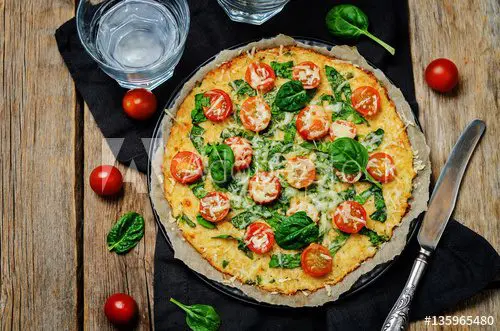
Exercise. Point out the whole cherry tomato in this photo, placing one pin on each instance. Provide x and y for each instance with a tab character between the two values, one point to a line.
120	309
139	104
441	75
106	180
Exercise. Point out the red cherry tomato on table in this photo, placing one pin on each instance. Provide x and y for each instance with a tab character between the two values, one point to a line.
350	217
255	114
242	150
186	167
120	309
259	237
300	172
366	101
308	74
264	187
214	207
139	104
220	107
260	76
106	180
316	260
381	167
441	75
313	122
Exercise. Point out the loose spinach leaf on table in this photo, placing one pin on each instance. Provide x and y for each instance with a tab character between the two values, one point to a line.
296	231
242	88
282	69
349	156
338	242
196	136
220	162
286	261
204	223
375	238
292	96
200	317
200	101
372	140
241	244
184	219
126	233
349	22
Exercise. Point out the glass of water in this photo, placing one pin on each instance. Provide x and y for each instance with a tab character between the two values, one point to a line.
136	42
252	11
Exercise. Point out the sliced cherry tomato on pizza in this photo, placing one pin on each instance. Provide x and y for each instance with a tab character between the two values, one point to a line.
350	217
260	76
259	237
186	167
316	260
308	74
366	100
381	167
300	172
348	178
264	187
242	150
221	106
341	128
313	122
214	207
255	114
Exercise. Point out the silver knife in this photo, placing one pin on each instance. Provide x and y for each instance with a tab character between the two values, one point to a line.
441	206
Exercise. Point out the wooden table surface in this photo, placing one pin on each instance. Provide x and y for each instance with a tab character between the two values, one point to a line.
55	270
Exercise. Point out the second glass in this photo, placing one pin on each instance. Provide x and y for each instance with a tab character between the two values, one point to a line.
252	11
136	42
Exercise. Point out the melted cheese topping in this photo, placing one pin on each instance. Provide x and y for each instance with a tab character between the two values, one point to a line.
262	187
307	75
340	128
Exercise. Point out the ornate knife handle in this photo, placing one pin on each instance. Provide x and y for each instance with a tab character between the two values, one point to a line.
398	317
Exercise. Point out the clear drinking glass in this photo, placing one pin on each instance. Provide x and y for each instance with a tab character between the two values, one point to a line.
252	11
136	42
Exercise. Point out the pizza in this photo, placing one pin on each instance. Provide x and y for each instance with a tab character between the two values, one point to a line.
286	168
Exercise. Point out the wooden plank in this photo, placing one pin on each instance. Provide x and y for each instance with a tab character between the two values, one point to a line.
105	272
466	32
38	141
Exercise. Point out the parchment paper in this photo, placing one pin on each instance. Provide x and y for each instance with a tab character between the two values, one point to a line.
388	251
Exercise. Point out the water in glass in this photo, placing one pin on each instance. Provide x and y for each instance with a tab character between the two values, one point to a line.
137	42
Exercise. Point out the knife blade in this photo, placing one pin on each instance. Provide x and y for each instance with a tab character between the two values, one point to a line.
441	206
445	192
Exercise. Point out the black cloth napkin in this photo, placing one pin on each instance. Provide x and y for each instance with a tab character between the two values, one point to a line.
212	31
463	265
